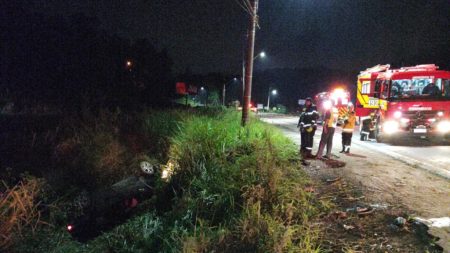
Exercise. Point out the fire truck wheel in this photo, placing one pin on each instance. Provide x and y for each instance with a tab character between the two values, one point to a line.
378	136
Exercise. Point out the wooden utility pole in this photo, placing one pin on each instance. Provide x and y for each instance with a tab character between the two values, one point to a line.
253	21
223	94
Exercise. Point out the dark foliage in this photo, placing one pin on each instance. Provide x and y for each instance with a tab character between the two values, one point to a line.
69	62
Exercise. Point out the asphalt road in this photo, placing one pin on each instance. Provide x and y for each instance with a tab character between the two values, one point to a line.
418	153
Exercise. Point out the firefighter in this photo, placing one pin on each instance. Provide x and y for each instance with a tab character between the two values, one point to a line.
368	128
330	122
431	89
307	125
347	129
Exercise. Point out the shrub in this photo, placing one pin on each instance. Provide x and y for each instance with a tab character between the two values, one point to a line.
19	211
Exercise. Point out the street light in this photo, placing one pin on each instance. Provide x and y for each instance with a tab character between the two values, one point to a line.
271	92
128	64
224	90
262	54
203	94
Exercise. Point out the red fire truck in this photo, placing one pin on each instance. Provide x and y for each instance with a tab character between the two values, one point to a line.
410	101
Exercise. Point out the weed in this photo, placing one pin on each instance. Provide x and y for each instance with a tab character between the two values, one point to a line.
19	211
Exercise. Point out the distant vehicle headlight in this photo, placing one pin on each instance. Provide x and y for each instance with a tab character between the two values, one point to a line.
397	114
443	126
390	127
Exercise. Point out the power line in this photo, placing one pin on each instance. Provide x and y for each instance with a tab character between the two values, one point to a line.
244	6
249	6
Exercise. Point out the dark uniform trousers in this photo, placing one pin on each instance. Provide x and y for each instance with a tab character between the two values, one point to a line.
306	139
326	140
346	139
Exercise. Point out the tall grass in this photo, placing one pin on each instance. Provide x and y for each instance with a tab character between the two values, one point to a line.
19	211
234	189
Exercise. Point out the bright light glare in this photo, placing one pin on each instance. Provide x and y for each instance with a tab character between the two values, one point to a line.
440	114
338	93
168	170
327	104
69	227
262	54
390	127
397	114
444	126
404	120
129	63
274	92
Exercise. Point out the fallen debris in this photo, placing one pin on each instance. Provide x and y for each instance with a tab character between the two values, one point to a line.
348	227
400	221
332	180
435	222
309	189
379	206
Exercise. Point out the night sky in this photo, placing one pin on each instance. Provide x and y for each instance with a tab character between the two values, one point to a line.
208	35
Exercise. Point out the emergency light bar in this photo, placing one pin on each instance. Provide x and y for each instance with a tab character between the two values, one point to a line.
423	67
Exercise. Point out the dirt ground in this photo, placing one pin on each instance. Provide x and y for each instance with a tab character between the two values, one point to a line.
361	220
377	179
389	181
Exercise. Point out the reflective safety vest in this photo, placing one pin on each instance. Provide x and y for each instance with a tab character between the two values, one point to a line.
308	118
333	117
349	122
343	112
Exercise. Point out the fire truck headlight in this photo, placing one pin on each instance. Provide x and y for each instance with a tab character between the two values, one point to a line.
390	127
397	114
404	120
440	114
444	126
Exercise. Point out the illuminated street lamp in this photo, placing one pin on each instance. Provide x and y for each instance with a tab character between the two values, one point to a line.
224	90
129	64
262	54
203	95
271	92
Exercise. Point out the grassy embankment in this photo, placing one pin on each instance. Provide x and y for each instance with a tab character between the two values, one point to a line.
233	189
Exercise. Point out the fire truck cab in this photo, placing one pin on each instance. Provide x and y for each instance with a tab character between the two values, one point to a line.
410	101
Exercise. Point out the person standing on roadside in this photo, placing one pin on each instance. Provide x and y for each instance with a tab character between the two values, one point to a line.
307	125
347	129
329	125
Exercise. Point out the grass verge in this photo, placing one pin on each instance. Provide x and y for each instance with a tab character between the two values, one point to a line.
232	189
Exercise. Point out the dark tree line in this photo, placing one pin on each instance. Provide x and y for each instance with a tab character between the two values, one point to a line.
69	62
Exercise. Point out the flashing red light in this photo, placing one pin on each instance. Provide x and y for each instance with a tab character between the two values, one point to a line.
69	228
